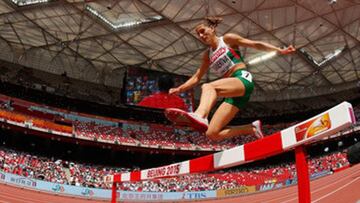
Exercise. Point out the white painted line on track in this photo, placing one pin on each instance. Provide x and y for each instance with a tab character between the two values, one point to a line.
340	188
321	188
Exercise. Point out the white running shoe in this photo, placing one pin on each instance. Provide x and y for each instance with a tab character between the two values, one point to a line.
181	117
200	120
258	133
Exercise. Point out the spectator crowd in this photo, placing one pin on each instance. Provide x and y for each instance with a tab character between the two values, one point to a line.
78	174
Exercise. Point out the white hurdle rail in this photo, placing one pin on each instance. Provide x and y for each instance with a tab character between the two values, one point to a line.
320	126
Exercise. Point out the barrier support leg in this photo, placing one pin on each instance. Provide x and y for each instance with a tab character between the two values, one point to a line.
302	170
113	193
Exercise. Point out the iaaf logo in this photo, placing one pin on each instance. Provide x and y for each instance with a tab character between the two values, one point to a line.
217	54
87	192
194	195
270	186
58	188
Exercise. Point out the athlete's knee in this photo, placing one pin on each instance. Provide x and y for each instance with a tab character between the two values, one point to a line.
207	86
213	135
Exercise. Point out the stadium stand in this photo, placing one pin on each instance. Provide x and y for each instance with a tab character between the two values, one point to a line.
78	174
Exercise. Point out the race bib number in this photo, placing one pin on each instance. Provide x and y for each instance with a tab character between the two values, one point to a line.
246	75
222	65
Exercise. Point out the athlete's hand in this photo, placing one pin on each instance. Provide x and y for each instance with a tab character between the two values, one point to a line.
288	50
174	90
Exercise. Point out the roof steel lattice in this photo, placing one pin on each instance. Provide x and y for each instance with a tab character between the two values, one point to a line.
93	39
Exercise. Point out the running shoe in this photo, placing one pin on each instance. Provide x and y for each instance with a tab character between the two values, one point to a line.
180	117
258	133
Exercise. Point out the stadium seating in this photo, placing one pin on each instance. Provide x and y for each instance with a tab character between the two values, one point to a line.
115	131
27	165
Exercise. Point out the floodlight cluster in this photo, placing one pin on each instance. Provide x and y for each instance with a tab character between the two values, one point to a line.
326	59
124	24
28	2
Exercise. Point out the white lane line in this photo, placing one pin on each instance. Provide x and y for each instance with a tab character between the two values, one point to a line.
321	188
340	188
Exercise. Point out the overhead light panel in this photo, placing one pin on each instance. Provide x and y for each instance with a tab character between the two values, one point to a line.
262	58
29	2
123	24
331	2
326	59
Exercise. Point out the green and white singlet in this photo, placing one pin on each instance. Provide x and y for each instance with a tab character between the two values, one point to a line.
222	59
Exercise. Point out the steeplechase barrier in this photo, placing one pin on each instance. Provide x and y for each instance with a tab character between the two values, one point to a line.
295	137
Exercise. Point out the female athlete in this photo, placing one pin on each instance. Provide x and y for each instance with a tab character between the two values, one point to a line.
235	85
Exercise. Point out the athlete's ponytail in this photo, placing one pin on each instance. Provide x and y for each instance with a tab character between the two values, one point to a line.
213	21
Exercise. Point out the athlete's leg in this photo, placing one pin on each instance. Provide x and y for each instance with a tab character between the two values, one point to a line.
223	115
227	87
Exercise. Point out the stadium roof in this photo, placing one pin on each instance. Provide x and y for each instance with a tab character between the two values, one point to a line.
96	40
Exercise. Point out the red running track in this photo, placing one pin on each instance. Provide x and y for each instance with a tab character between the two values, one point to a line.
343	187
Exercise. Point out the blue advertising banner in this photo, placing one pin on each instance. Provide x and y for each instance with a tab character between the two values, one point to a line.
127	195
320	174
54	187
94	193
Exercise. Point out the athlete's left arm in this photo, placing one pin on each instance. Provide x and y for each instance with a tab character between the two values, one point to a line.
235	40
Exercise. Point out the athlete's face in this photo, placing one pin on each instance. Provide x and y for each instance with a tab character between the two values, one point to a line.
205	33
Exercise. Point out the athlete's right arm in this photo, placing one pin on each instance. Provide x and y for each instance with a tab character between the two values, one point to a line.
195	79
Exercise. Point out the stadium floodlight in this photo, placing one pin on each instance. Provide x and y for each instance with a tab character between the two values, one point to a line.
29	2
123	24
332	2
331	56
262	58
326	59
